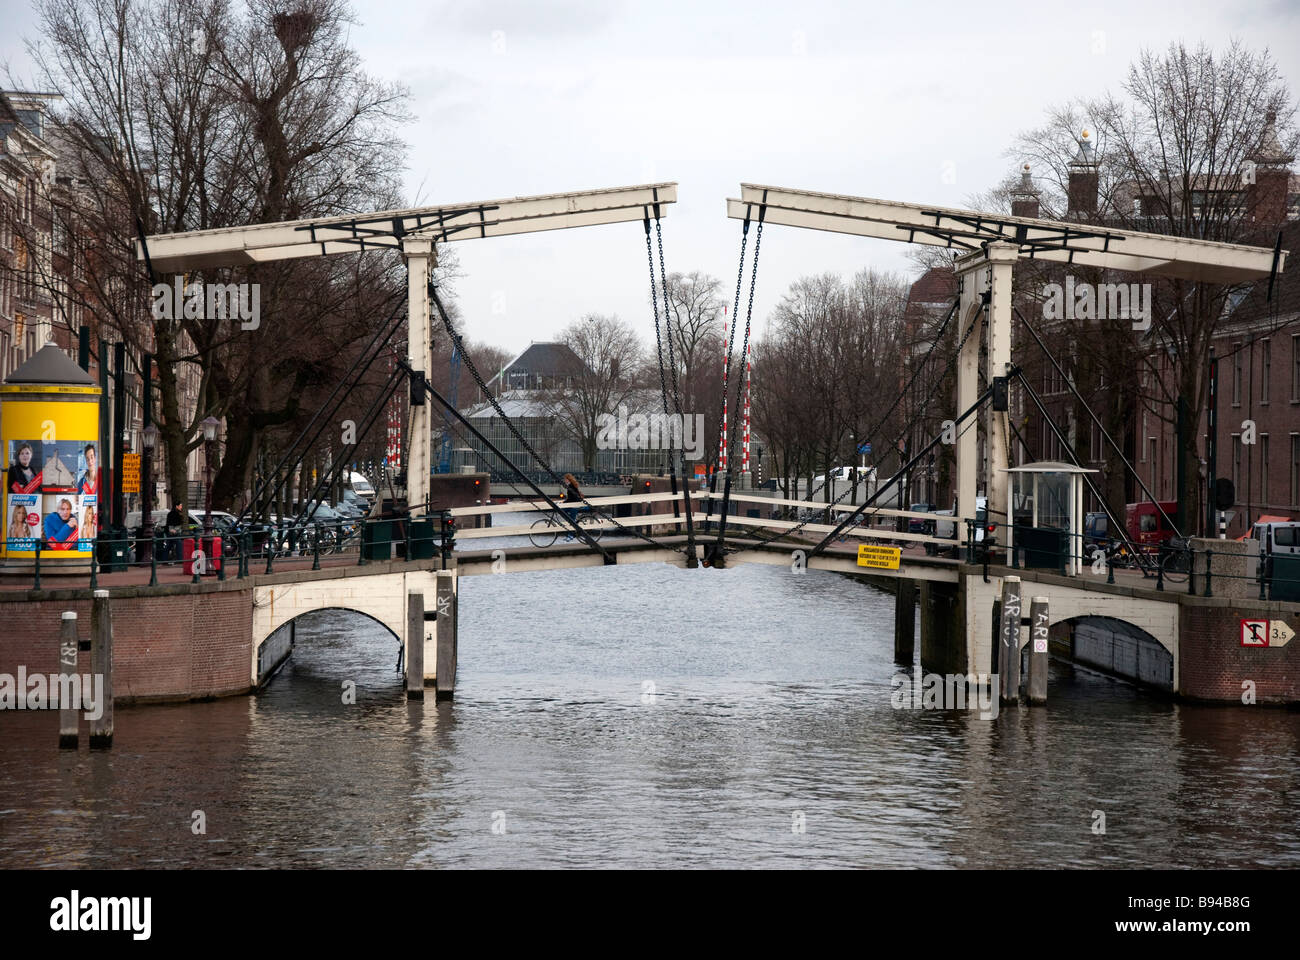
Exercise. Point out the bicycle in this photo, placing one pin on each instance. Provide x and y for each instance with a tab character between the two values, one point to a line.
1175	561
545	530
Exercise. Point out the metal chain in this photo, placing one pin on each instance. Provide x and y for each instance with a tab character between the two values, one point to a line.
744	350
469	365
731	338
654	305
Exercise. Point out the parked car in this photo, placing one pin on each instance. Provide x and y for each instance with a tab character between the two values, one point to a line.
944	529
361	486
916	524
1096	531
845	475
348	509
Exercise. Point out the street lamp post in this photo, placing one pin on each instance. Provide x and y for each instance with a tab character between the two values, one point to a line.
144	551
209	425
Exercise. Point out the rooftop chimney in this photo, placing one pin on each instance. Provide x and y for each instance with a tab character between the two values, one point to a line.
1024	198
1084	181
1268	177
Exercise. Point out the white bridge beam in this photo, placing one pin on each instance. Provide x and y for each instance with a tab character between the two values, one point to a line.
387	229
964	230
415	233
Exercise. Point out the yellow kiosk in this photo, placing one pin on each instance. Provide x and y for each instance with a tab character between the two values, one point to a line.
49	446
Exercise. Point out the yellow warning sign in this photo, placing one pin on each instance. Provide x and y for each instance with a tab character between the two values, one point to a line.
882	558
130	473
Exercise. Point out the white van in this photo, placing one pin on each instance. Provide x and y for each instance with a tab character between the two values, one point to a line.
361	486
1278	538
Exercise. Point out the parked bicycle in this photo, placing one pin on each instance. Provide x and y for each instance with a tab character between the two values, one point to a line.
1176	560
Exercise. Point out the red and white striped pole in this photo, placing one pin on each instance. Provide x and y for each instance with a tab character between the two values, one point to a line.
726	363
749	367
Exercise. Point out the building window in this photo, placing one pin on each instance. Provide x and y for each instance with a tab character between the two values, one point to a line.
1236	374
1265	363
1263	468
1236	461
1295	468
1295	371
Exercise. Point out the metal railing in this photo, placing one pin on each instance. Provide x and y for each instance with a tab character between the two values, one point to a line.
366	539
1170	564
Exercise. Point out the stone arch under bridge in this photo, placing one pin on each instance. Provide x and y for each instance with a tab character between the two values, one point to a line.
381	598
1156	618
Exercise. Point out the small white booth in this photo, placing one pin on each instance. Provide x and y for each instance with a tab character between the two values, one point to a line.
1049	495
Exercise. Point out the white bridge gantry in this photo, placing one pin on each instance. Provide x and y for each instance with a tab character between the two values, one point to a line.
414	233
990	244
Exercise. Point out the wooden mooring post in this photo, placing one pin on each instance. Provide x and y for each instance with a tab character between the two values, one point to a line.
1038	632
101	665
69	735
1009	648
445	666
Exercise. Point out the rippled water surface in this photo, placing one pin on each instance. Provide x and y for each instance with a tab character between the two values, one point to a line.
649	716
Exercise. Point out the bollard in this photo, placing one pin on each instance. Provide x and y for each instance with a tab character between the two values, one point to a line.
414	645
1039	622
221	560
1160	566
445	666
68	729
1262	561
153	564
94	569
315	550
101	665
1009	656
1209	587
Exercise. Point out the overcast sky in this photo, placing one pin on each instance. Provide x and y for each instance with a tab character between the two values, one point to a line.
914	101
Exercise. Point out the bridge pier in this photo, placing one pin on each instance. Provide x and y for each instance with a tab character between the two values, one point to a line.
904	621
943	627
414	645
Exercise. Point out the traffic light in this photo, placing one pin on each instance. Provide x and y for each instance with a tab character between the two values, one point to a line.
1000	394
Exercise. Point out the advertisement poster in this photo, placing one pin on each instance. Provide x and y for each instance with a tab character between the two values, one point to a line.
51	476
24	521
24	473
88	524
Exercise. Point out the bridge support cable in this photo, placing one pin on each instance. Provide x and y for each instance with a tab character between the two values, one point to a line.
852	517
780	534
582	534
717	554
1138	556
478	379
1100	426
368	420
266	488
691	561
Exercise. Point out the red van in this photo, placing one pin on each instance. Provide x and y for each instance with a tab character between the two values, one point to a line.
1145	525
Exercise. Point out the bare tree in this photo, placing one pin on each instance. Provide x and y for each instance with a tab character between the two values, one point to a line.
610	368
1172	147
186	114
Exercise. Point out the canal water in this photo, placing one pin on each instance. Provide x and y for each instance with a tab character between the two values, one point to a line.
646	716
